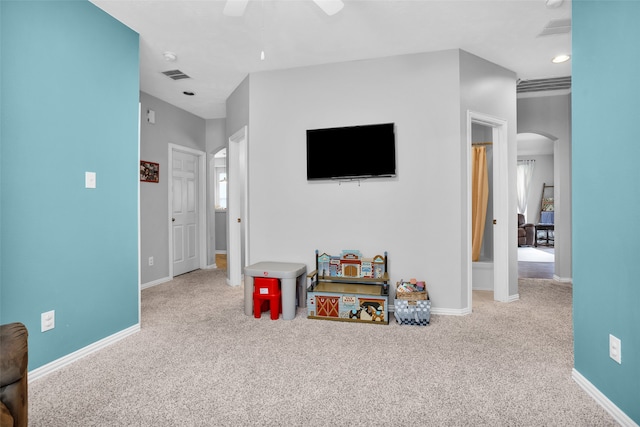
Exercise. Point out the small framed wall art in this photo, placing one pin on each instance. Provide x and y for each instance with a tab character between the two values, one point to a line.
149	171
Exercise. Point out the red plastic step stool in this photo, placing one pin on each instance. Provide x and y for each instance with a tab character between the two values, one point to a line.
266	290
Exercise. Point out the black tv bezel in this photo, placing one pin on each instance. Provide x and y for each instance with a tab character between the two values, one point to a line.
355	176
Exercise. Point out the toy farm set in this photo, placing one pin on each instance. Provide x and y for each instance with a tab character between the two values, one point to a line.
349	288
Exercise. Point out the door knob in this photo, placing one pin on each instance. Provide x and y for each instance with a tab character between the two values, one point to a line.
173	219
495	222
239	220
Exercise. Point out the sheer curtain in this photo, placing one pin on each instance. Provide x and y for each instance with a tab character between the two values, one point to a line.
479	198
523	181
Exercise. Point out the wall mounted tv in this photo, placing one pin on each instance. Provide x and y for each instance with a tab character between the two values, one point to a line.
366	151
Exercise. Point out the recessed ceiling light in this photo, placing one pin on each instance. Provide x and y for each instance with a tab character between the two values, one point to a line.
188	93
561	58
552	4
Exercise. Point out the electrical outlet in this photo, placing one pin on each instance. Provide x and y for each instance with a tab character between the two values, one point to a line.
150	261
615	348
47	321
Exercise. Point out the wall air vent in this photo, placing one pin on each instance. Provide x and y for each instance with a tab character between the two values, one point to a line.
556	26
543	85
175	74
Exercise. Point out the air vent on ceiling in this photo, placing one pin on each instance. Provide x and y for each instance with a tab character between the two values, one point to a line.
542	85
556	26
176	74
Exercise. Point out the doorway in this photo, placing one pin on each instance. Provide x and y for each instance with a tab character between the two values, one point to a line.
238	208
536	259
499	267
218	183
187	250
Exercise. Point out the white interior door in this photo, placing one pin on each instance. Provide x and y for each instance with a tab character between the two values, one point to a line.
185	230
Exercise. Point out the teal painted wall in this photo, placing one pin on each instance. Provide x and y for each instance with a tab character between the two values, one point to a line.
70	88
606	196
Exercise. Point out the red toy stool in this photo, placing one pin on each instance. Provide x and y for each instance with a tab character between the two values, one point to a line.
266	290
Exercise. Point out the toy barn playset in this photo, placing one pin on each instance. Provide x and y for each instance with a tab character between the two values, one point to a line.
349	288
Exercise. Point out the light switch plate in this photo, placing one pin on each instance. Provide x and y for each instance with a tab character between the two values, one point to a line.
615	348
47	320
90	180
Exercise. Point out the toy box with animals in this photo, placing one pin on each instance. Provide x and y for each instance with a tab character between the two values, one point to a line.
349	288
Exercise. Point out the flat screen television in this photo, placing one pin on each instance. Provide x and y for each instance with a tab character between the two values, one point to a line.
366	151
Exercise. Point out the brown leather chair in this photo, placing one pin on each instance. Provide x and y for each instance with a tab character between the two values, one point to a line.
526	232
13	375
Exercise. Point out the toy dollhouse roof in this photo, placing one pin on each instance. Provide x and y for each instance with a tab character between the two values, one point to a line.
324	257
351	254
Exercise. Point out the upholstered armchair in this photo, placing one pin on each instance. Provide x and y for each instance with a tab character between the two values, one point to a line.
13	375
526	232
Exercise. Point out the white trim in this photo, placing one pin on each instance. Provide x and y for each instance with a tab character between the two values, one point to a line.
44	370
219	252
155	282
202	202
210	266
451	311
562	279
513	298
602	400
500	204
137	172
237	207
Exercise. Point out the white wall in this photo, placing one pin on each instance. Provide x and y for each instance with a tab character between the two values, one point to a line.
490	89
173	125
416	216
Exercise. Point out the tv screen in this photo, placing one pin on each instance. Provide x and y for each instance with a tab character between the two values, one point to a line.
351	152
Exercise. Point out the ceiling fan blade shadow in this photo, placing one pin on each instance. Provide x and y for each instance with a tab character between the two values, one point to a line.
235	7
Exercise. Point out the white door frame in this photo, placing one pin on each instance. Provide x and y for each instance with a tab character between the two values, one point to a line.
500	206
202	197
238	207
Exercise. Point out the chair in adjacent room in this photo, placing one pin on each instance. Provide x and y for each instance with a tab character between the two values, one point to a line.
526	232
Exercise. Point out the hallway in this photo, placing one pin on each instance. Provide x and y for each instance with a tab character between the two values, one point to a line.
536	270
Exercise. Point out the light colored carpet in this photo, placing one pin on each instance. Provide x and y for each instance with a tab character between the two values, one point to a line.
199	361
534	255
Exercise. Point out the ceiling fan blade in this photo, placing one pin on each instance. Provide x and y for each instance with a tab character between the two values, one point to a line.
330	7
235	7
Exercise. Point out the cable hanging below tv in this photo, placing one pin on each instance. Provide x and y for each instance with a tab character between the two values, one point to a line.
351	153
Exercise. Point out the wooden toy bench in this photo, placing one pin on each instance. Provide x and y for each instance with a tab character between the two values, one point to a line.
349	288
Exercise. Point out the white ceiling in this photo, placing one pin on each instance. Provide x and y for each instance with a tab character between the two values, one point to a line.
218	51
532	144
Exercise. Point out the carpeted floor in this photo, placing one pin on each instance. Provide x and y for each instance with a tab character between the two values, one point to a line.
199	361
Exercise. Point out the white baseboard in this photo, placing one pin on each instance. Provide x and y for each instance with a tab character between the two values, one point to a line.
513	298
562	279
622	418
155	282
481	288
210	267
79	354
451	311
221	252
